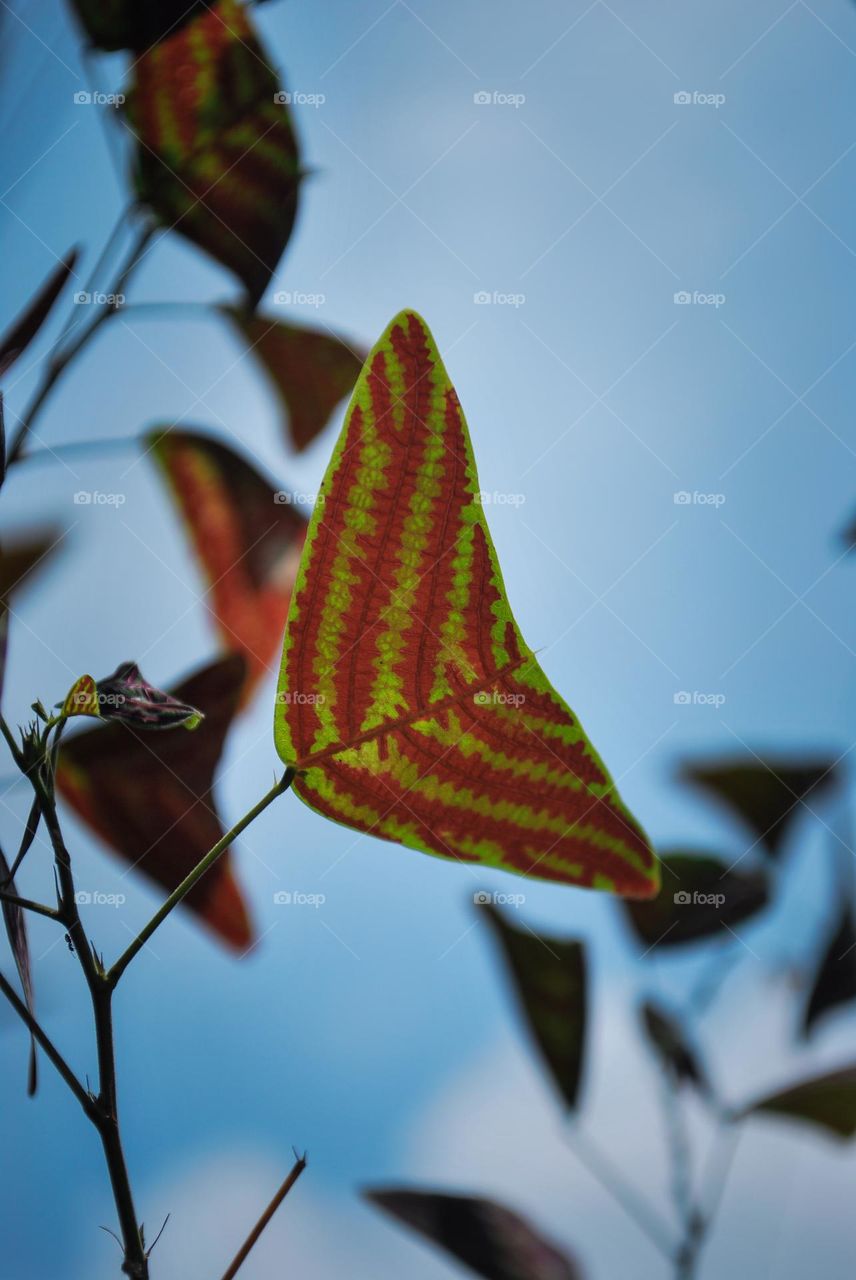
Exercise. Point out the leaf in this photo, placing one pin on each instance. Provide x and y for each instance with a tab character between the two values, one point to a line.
549	975
16	932
485	1236
669	1041
768	796
128	24
311	369
25	328
248	542
149	797
217	157
835	981
700	898
408	700
828	1101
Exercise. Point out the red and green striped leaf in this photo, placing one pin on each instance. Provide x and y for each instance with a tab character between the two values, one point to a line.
149	796
549	975
130	24
408	700
311	370
827	1102
768	795
491	1240
217	158
247	540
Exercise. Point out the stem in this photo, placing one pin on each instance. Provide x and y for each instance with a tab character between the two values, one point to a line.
612	1180
114	974
244	1251
60	362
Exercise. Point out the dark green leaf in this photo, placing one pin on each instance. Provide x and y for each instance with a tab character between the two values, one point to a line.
767	795
311	370
670	1043
549	975
491	1240
25	328
835	981
699	898
133	24
827	1101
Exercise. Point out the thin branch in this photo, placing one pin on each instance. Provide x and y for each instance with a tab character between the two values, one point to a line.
178	895
244	1251
49	1048
27	904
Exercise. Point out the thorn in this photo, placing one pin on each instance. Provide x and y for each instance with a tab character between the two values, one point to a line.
115	1237
151	1247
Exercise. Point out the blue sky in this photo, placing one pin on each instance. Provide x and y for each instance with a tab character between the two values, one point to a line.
376	1031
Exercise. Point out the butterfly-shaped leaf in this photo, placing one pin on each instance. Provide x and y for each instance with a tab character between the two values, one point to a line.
25	328
310	369
767	795
549	975
835	980
408	700
246	537
827	1101
130	24
16	932
149	797
129	698
217	157
491	1240
700	898
669	1041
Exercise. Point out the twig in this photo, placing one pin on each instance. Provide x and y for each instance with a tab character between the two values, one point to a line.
48	1047
244	1251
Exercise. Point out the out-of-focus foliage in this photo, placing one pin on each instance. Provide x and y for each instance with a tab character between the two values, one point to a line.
24	329
700	898
16	932
670	1042
834	982
827	1102
133	24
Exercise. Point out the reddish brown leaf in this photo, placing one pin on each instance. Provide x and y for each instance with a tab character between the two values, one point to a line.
311	369
149	796
247	539
25	328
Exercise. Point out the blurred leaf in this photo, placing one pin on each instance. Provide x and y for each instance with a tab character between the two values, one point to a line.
849	535
549	975
17	563
217	157
828	1101
130	24
408	700
700	898
835	981
149	796
248	541
25	328
16	932
766	795
485	1236
311	369
669	1041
